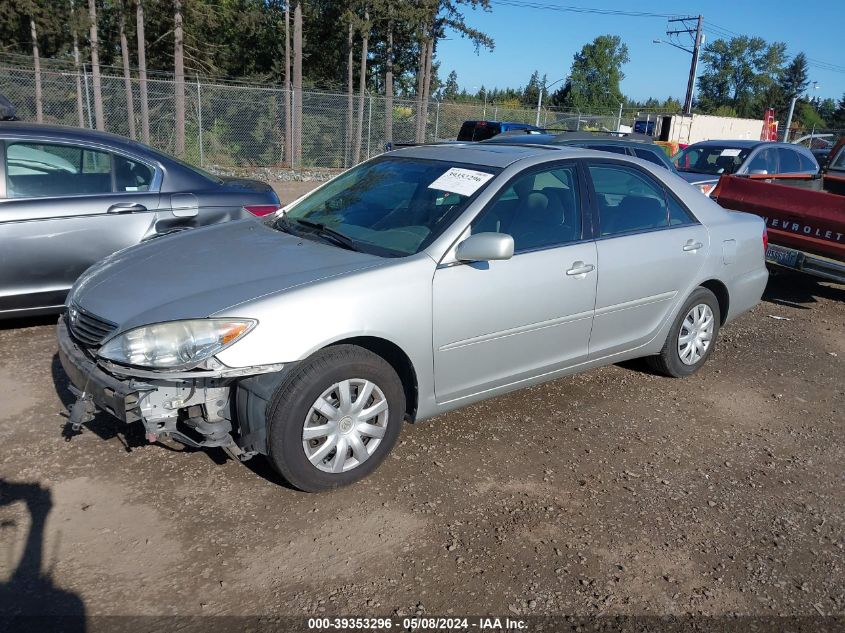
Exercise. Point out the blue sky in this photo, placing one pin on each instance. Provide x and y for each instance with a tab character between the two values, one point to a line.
546	40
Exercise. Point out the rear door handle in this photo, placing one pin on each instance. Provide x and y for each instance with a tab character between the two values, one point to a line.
126	207
580	268
692	245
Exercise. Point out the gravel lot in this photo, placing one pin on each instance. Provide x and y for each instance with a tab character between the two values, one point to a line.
612	492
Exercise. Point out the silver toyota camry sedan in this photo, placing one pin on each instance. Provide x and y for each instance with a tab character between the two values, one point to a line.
417	282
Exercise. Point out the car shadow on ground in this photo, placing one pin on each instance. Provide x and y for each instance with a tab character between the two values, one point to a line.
799	290
29	599
27	322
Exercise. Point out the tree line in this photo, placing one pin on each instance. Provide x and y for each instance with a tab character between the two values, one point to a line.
741	77
358	46
354	45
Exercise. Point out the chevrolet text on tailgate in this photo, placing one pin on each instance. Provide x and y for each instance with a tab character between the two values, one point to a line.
413	284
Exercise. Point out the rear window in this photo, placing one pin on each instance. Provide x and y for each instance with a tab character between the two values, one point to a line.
613	149
466	131
710	159
478	131
483	131
650	156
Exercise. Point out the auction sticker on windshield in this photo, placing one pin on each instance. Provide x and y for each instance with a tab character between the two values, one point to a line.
730	152
461	181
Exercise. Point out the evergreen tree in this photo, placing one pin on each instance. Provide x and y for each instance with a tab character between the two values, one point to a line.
450	90
595	76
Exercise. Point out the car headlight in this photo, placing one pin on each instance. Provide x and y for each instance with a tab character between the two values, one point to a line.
175	345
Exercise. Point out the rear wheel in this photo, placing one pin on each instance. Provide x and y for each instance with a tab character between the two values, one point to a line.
692	336
335	418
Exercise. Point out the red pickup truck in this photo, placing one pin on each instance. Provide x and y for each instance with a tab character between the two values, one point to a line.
805	222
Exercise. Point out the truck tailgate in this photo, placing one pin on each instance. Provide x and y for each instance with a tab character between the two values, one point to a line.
804	219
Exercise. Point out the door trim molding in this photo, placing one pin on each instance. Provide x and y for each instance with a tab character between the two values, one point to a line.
521	329
636	303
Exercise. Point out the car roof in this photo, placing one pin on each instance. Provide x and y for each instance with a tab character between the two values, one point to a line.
491	122
574	138
68	133
733	143
498	155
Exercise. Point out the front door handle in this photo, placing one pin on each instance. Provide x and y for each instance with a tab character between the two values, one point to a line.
580	268
126	207
692	245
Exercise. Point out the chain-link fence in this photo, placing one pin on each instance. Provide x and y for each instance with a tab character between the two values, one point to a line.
231	124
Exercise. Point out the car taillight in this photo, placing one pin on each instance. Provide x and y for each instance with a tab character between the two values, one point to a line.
765	239
260	210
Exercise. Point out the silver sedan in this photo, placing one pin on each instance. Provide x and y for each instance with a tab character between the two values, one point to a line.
415	283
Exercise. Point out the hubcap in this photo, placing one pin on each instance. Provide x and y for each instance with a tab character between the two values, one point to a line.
345	425
696	334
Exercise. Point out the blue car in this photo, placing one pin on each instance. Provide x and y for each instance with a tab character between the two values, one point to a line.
482	130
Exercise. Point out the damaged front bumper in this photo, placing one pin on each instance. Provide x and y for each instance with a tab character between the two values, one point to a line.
197	409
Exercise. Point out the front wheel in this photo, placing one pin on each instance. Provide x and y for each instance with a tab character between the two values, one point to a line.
692	336
335	418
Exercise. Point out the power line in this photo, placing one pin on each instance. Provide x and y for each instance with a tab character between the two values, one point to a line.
529	4
710	28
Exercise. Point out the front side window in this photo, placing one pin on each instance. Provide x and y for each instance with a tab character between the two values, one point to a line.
539	210
44	170
628	201
391	206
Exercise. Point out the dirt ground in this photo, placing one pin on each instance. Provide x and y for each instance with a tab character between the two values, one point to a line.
611	492
290	190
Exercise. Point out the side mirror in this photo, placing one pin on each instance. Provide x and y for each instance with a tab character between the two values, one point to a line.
485	247
758	172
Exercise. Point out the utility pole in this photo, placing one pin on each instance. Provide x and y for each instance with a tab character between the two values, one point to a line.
698	40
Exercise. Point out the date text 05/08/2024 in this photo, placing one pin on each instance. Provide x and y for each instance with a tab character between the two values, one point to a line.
417	624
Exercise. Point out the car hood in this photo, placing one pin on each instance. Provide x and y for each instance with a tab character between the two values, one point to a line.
197	273
695	178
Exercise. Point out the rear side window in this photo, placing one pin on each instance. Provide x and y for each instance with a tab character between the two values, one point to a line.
790	161
45	170
808	164
130	175
628	201
678	215
650	156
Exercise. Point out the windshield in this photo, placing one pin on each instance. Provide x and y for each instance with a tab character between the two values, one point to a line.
710	159
390	206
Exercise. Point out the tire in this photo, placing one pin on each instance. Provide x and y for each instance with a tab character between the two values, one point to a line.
332	380
670	361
